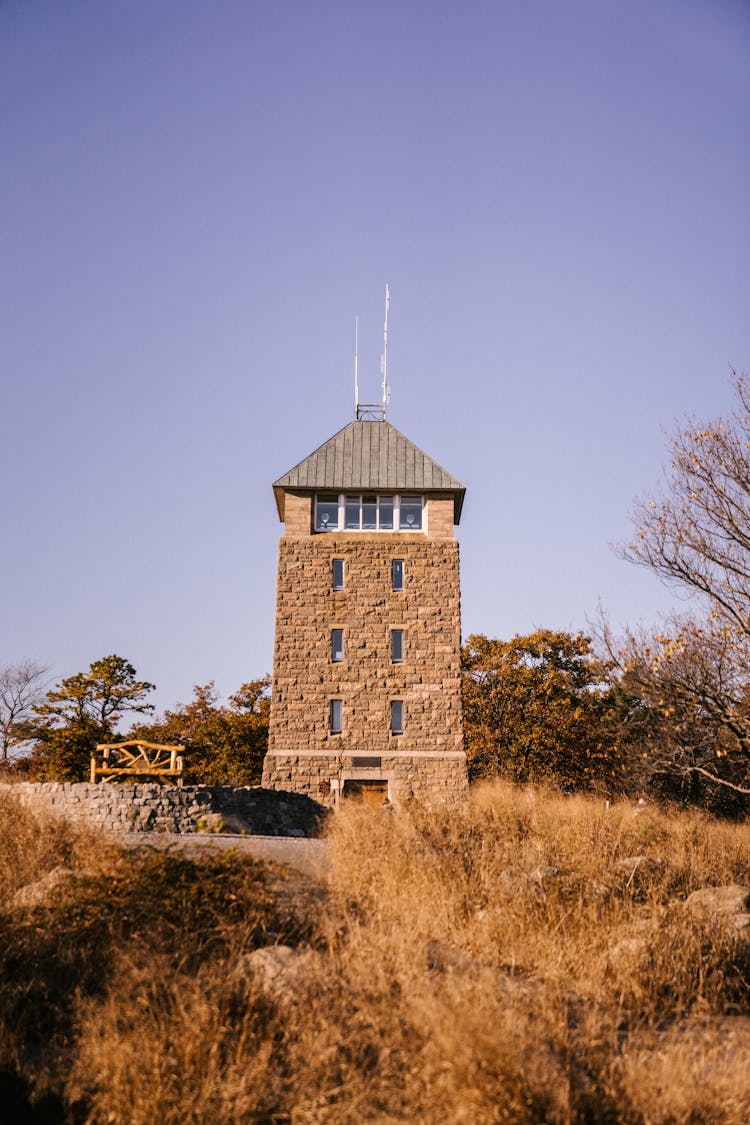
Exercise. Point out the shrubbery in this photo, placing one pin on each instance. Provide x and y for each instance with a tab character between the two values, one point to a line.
522	958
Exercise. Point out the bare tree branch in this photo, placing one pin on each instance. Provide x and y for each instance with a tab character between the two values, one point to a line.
21	689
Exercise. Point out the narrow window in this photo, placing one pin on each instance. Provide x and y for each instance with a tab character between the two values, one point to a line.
369	513
337	645
351	513
334	716
397	574
385	513
397	716
397	645
411	513
326	512
338	574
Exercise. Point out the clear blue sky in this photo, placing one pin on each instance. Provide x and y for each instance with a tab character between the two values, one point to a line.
197	198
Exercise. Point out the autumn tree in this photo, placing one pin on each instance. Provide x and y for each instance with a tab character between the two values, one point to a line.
688	705
695	534
539	708
21	689
224	744
82	710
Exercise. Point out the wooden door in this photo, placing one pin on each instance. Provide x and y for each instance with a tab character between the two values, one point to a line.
369	791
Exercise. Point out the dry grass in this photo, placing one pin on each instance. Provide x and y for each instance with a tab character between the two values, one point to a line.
500	962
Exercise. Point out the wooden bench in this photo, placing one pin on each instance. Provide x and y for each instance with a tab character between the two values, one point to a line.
122	761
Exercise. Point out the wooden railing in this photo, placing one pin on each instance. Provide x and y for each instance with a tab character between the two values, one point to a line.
120	761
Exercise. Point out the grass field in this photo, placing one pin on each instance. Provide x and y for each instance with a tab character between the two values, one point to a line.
524	958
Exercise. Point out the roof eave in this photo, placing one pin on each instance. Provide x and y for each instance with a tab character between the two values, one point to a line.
458	503
279	494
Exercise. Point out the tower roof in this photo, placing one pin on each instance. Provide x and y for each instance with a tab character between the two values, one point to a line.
373	457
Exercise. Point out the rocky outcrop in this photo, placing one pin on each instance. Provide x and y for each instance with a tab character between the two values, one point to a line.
713	903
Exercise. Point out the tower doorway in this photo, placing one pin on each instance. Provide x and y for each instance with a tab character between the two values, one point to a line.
372	791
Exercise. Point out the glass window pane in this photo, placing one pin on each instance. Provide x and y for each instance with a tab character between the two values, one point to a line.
351	519
335	716
411	513
397	574
338	574
397	716
385	506
397	645
337	645
326	512
369	513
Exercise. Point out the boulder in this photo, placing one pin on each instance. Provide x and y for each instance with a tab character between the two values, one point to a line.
39	893
628	950
278	971
730	902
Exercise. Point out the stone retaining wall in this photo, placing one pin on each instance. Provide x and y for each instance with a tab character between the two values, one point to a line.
165	808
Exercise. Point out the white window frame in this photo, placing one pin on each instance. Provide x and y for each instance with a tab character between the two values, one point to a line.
396	529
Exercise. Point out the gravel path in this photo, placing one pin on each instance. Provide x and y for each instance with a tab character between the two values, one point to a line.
310	857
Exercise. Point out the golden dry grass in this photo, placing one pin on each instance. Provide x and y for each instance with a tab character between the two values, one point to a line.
522	958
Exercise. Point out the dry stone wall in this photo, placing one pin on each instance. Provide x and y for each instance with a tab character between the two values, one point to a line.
161	808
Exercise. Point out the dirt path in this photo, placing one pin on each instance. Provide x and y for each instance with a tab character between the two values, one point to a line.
310	857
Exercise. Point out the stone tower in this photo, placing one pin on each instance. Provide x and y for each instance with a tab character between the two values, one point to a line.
366	675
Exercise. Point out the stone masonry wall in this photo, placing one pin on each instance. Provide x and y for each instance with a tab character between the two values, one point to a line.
297	514
439	516
425	777
165	808
428	678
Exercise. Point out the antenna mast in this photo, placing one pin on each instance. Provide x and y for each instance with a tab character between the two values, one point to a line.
372	411
384	360
356	367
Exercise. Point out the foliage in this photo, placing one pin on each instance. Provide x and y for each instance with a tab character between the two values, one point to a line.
81	711
161	913
687	704
538	965
21	689
696	535
224	745
539	707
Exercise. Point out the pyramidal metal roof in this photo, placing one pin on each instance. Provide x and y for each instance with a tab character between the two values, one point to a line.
372	456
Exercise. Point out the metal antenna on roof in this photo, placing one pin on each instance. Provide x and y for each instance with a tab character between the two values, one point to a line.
372	411
384	359
356	367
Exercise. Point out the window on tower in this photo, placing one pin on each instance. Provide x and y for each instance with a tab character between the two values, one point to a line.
334	716
397	574
352	520
367	512
338	574
326	511
397	645
411	513
337	645
385	513
397	716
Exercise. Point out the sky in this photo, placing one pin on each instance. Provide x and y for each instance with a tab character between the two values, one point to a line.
199	196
